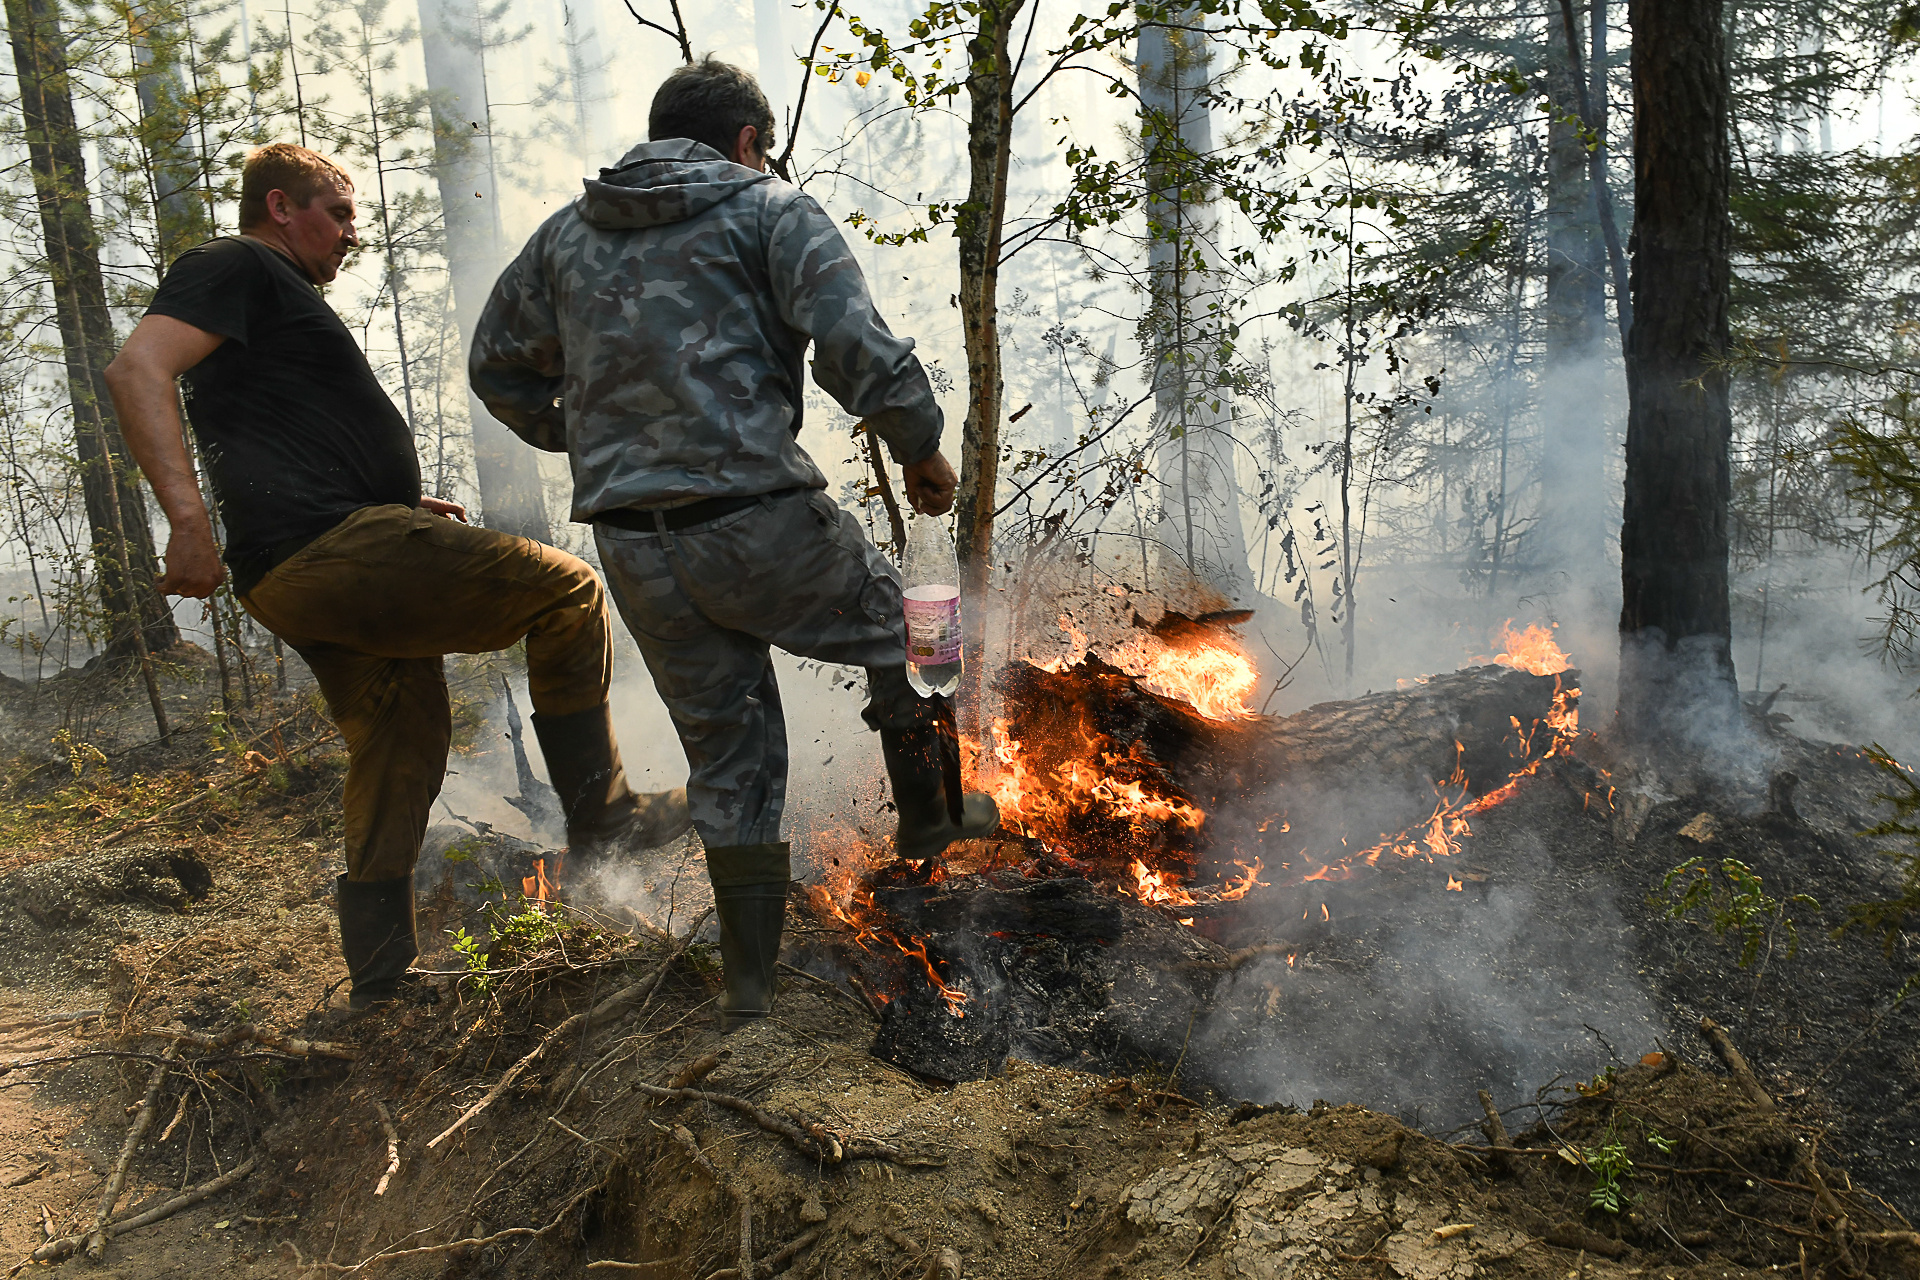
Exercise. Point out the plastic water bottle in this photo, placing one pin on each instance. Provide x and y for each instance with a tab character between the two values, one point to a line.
931	576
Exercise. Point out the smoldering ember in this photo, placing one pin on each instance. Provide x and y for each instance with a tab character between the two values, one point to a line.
1266	641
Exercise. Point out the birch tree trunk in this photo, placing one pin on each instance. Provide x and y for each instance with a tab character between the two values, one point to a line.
979	227
1200	531
1676	662
452	39
122	551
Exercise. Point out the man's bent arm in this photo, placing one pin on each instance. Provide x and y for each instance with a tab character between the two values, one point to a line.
141	381
517	360
857	360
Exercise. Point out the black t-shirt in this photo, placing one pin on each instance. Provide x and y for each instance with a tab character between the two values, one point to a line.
296	431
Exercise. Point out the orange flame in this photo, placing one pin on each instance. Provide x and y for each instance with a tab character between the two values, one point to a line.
1034	806
864	935
1214	677
536	887
1532	650
1439	836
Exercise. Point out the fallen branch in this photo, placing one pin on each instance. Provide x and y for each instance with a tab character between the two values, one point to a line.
697	1070
142	824
1235	960
22	1179
1910	1238
1723	1047
51	1022
393	1149
96	1246
179	1114
767	1266
689	1143
248	1032
65	1246
635	994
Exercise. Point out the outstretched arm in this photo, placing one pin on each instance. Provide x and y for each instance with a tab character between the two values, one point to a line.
141	382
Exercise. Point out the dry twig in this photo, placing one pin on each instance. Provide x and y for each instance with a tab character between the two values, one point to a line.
393	1149
96	1245
1496	1130
768	1265
247	1031
179	1114
1723	1046
815	1142
54	1250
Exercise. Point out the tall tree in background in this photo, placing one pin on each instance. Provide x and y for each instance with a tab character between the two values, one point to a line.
454	41
1576	505
1676	661
174	167
979	225
1183	327
123	555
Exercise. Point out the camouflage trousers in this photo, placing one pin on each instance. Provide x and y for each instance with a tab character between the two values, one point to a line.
708	603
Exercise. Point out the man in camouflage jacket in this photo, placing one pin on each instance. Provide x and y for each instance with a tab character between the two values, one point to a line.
655	330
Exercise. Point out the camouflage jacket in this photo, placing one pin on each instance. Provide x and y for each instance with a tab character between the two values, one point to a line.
655	331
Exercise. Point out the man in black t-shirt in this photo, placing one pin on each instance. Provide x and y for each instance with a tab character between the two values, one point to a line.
334	548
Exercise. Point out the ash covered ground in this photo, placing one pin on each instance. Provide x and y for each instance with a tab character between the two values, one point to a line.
1268	1116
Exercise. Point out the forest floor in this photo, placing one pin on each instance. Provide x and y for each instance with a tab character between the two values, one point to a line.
161	982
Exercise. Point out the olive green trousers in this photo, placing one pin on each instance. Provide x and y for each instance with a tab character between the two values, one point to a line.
374	603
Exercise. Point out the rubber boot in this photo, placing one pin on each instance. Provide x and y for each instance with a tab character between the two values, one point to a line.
604	815
376	937
927	825
750	898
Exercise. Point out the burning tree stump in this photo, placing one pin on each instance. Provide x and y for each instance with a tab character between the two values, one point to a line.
1131	808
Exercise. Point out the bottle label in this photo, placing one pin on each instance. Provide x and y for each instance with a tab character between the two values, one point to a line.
933	625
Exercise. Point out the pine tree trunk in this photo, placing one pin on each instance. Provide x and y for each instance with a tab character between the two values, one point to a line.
989	148
1200	532
1676	662
1569	548
452	41
123	554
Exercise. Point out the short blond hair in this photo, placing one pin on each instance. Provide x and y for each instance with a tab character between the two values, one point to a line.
283	166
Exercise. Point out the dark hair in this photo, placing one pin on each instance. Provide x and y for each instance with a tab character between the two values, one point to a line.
282	166
710	101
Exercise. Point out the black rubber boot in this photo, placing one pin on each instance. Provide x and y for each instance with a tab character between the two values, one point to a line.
919	779
750	898
376	936
604	815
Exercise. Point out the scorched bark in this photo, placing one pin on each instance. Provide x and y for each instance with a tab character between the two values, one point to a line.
1675	624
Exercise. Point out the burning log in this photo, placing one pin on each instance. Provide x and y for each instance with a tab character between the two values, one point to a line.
1094	762
1141	780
